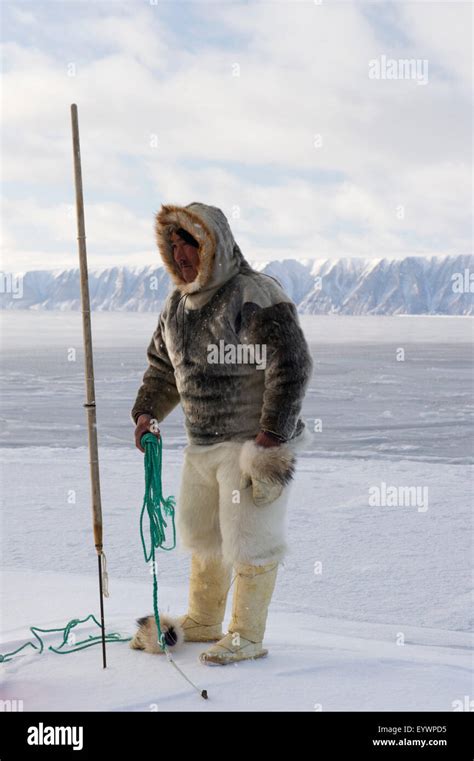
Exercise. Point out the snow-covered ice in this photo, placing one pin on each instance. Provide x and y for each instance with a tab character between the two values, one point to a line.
372	607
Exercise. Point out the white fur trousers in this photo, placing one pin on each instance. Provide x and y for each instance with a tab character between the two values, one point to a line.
215	517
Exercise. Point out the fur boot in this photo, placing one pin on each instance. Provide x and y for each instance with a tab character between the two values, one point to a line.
208	589
252	595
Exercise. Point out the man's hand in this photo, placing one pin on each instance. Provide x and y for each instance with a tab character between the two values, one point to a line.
145	424
265	439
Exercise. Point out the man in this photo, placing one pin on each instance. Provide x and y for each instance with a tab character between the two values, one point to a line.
229	348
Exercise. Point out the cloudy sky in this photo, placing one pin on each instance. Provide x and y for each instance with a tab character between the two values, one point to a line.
273	111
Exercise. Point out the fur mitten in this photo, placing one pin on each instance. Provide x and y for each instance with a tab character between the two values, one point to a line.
266	469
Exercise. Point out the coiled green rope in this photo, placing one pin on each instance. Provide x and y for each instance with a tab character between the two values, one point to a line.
152	503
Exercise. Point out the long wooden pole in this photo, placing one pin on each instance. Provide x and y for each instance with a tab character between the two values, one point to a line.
89	366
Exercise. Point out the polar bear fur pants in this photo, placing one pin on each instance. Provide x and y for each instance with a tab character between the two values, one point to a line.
218	519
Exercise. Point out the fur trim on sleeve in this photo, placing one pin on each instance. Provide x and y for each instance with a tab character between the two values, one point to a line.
272	464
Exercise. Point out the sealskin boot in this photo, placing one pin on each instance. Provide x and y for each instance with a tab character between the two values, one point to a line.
208	589
252	595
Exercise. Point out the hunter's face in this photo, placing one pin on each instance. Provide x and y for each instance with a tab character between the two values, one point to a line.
186	257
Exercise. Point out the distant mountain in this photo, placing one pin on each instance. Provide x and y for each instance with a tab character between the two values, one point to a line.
415	285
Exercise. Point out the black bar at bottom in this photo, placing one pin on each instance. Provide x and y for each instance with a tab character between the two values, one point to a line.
318	735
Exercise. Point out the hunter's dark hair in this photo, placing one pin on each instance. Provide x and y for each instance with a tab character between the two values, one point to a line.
187	237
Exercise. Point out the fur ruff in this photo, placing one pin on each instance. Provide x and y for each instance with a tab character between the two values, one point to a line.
146	638
171	217
273	464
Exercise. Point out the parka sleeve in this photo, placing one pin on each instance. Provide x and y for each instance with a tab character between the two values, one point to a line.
288	366
158	395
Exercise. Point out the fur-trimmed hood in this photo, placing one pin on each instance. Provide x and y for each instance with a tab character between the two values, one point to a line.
220	258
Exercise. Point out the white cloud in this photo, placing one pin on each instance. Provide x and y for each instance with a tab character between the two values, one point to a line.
303	72
112	232
145	39
443	34
23	16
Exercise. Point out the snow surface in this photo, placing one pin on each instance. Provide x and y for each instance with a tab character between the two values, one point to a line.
386	623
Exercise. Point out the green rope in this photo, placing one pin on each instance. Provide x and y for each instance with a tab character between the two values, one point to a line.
91	640
152	503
